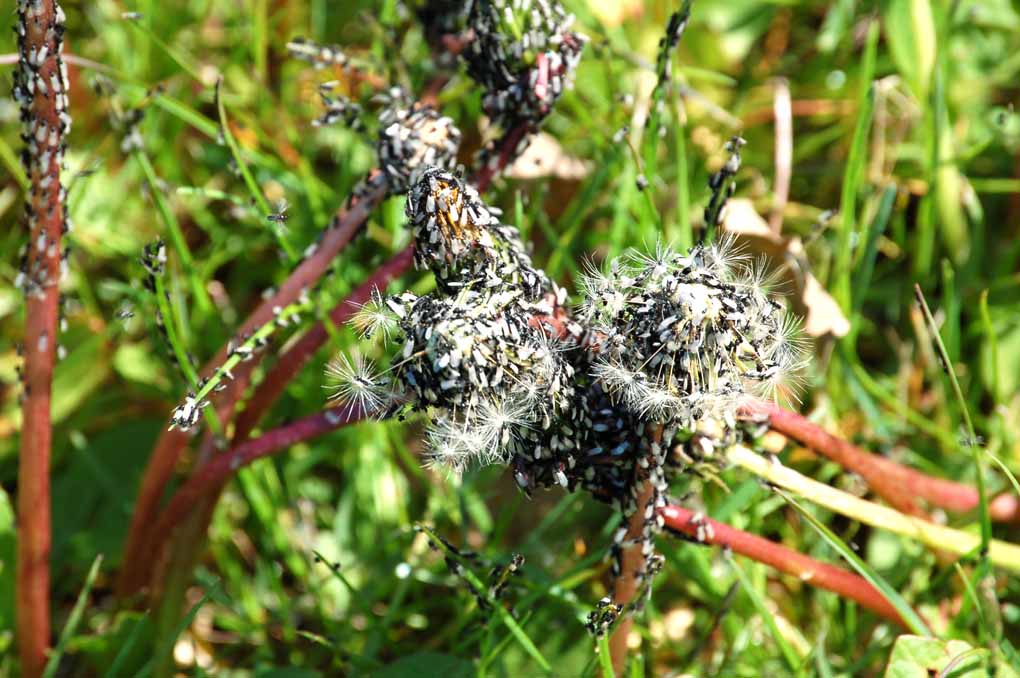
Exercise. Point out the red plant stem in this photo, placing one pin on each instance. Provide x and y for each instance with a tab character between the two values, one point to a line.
899	485
145	545
142	543
505	154
632	560
626	585
170	445
218	470
298	355
805	568
40	89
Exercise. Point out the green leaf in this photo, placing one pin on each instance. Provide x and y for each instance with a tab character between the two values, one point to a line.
917	657
914	622
910	33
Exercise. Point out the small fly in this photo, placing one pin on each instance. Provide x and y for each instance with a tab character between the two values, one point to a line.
280	216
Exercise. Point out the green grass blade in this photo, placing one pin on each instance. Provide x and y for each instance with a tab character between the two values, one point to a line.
914	622
789	654
125	650
972	439
605	656
73	620
165	646
249	180
866	264
173	228
854	173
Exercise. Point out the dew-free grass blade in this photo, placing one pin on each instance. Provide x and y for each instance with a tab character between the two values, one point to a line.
71	627
913	621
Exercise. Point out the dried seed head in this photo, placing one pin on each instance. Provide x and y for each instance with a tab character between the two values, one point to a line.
687	337
356	382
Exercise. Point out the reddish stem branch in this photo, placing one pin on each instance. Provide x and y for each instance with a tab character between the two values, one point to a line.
143	543
300	353
899	485
633	559
805	568
170	445
218	470
626	585
41	90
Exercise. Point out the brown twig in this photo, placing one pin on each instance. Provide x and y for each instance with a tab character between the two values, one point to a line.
633	559
626	585
41	90
805	568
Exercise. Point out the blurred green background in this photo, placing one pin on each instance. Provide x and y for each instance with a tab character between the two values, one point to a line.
942	133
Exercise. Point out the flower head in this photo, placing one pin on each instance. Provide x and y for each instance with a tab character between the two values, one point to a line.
356	382
375	317
688	336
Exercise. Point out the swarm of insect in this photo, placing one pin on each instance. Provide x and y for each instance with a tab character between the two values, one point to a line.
640	385
492	381
524	54
689	337
461	240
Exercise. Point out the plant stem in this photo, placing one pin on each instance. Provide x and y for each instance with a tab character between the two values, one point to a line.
1000	553
979	467
41	90
144	544
805	568
626	583
633	560
220	469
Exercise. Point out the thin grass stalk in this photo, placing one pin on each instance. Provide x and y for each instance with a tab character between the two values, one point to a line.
40	88
897	484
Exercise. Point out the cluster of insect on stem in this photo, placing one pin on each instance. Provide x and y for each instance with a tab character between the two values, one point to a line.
409	136
41	93
240	349
154	262
603	617
661	346
524	54
722	185
319	56
462	564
